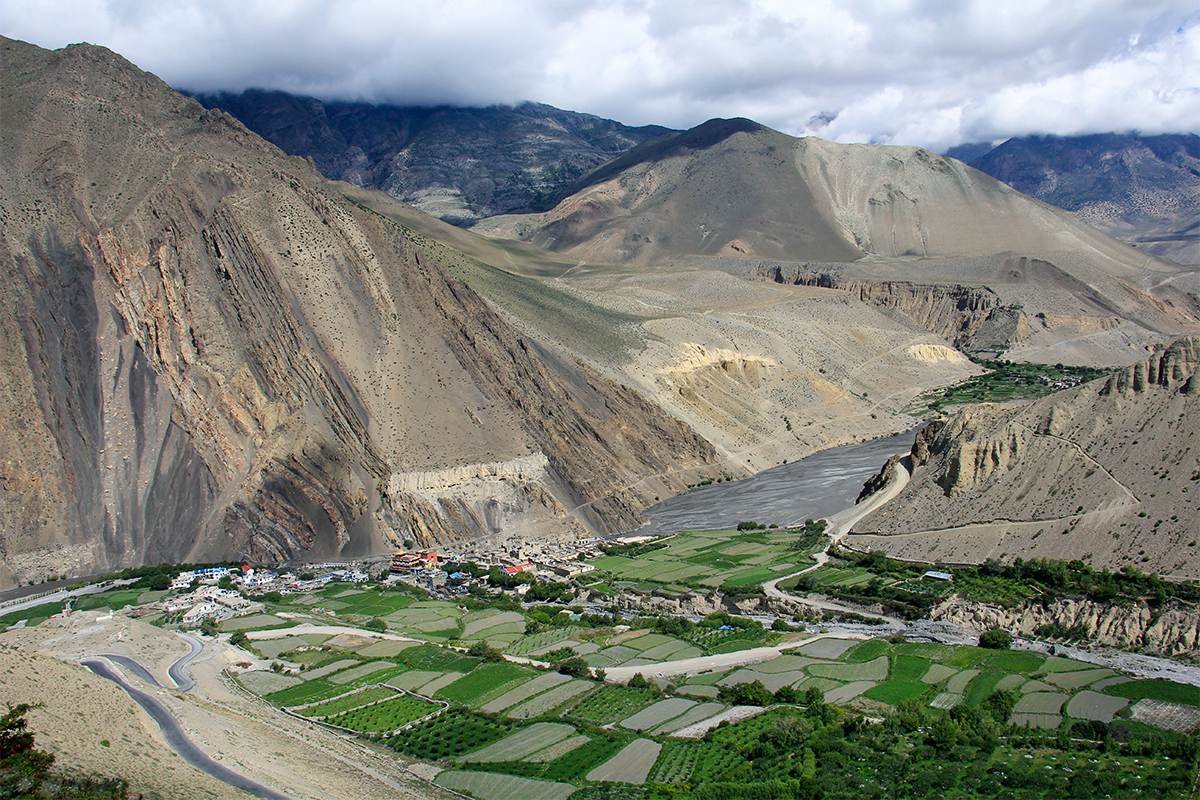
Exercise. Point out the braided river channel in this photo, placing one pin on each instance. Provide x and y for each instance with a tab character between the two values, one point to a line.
813	487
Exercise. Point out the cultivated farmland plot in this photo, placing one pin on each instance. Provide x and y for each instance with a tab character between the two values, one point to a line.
541	639
611	703
631	765
273	647
346	702
1009	683
829	648
411	681
370	668
266	682
657	714
1100	686
253	621
1168	716
1074	680
958	684
699	690
525	691
1093	705
329	669
1040	703
557	645
557	750
522	743
875	670
937	673
536	706
784	664
385	649
946	700
677	762
1044	721
490	786
665	651
483	680
439	683
773	681
1036	686
387	716
844	694
690	717
731	715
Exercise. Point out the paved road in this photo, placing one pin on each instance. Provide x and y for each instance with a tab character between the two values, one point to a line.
183	682
720	661
840	524
20	604
178	740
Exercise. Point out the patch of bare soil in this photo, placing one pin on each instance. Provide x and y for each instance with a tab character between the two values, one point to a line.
93	727
233	727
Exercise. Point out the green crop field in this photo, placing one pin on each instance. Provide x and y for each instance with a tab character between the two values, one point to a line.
483	680
677	762
1157	689
387	716
490	786
451	734
522	743
908	668
895	692
307	692
611	703
346	702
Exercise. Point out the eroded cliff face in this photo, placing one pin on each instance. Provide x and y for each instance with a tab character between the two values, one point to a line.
1171	630
209	352
1106	472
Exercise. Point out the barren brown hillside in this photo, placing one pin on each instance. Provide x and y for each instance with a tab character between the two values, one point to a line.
1108	472
209	352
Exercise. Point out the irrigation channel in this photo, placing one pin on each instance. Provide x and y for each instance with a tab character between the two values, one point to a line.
815	487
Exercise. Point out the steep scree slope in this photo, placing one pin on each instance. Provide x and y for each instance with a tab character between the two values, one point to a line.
207	351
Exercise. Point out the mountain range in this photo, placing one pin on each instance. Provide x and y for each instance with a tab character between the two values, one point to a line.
458	164
1144	190
463	164
211	350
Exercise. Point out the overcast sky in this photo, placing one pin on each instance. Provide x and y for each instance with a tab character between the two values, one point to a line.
928	72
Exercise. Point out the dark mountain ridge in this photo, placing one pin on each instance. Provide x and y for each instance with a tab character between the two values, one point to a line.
455	163
1144	190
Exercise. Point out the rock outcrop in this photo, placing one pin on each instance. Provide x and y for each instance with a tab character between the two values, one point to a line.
1106	472
1171	630
207	351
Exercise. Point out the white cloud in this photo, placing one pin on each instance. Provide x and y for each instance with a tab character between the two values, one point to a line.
931	72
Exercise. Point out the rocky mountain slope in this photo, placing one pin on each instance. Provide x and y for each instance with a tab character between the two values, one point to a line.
458	164
1107	472
1144	190
208	351
899	228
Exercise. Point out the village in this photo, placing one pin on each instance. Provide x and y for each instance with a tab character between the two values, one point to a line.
221	593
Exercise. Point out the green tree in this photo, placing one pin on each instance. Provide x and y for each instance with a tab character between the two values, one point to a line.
376	624
17	752
575	666
996	639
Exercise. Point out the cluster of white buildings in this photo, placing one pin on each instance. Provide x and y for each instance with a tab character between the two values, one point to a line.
209	602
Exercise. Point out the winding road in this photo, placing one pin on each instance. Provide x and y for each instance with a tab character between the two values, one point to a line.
172	731
840	524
